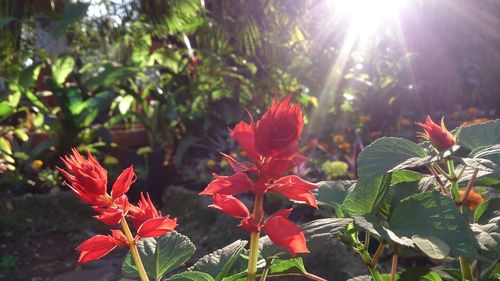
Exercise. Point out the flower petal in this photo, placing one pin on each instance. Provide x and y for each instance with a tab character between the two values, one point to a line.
285	233
230	205
123	182
229	185
96	247
295	188
243	133
156	227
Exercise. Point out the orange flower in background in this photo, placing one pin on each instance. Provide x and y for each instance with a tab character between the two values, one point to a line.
338	138
375	134
345	146
472	110
439	136
365	118
405	122
473	199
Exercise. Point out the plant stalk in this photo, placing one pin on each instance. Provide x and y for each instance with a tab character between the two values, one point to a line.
465	266
253	257
133	249
365	255
394	265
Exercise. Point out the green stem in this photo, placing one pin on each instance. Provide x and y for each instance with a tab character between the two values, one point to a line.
465	266
263	277
134	251
372	268
253	257
454	181
465	269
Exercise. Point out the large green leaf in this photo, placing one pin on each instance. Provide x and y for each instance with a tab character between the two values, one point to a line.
160	255
419	274
325	228
366	196
72	13
278	267
488	237
482	134
218	264
191	276
61	68
431	214
384	155
5	109
376	227
332	193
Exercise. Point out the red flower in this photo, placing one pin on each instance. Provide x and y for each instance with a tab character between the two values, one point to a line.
285	233
100	245
112	215
279	128
229	185
295	188
244	133
88	178
230	205
123	182
473	199
439	136
144	211
249	224
156	227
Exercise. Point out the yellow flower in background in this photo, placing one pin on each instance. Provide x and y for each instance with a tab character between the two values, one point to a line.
335	168
37	164
223	163
211	163
365	118
345	146
405	122
338	138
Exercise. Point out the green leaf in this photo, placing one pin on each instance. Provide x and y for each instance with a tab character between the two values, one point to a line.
431	214
287	266
191	276
482	134
21	135
488	237
332	193
384	154
491	153
419	274
61	68
111	75
487	210
5	109
366	196
325	228
28	76
218	264
432	246
125	103
160	255
376	227
404	176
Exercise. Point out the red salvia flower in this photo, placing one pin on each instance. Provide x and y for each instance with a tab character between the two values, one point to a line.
230	205
156	227
296	189
100	245
285	233
87	177
229	185
439	136
144	211
123	182
279	128
112	215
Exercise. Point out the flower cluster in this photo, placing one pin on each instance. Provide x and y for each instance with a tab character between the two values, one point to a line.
272	146
89	181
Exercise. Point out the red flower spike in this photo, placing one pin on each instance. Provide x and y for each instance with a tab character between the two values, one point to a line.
123	182
439	136
156	227
285	233
144	211
87	177
243	133
249	224
230	205
295	188
239	167
98	246
112	215
228	185
279	128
